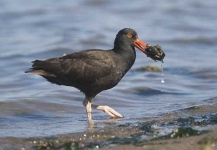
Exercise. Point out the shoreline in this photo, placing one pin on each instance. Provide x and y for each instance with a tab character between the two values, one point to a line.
191	128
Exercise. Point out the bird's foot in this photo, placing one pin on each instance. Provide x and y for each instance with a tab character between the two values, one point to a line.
110	111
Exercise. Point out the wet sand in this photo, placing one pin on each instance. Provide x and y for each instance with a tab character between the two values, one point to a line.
206	141
191	128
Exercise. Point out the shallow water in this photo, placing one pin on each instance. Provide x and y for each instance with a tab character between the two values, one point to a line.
30	106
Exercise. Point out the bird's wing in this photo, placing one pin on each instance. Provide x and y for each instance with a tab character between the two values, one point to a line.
76	68
86	66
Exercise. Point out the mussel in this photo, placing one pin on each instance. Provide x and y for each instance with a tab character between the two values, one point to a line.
155	52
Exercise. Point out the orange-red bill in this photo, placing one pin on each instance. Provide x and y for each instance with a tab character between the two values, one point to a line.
140	45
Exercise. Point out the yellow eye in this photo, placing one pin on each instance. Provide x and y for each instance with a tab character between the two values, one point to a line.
129	35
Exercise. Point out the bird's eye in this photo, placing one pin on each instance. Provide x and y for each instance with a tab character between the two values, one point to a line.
129	35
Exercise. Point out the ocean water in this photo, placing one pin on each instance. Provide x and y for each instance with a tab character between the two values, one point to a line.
31	107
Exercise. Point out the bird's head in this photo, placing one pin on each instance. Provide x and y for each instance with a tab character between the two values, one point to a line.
130	36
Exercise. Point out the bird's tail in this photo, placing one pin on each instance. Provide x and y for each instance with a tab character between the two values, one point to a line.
42	68
29	70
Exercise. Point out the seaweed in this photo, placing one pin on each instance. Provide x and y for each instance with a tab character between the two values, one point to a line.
180	133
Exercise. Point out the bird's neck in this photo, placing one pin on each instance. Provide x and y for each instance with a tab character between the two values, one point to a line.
126	55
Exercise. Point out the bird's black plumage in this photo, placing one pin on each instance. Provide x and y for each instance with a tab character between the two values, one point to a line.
91	71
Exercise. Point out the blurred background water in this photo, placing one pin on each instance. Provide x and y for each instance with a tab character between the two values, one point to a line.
30	106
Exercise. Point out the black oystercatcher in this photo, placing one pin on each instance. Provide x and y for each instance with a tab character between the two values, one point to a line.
92	71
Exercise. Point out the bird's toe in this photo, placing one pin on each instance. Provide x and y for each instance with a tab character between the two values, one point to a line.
111	112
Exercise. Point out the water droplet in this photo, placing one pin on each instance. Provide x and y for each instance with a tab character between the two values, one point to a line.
162	74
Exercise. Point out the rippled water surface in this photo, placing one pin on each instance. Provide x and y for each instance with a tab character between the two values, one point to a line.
30	106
